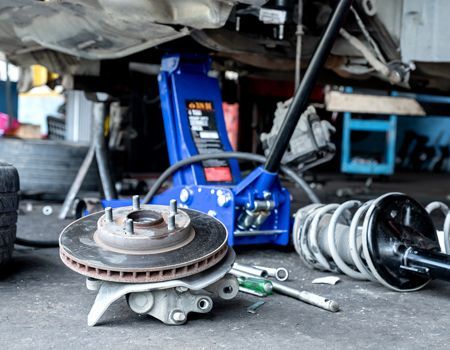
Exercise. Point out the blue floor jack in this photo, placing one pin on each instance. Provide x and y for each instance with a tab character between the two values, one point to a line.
254	209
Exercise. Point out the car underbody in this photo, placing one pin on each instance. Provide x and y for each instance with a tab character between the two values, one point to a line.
77	37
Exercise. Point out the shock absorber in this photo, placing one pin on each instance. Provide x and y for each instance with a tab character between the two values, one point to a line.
391	239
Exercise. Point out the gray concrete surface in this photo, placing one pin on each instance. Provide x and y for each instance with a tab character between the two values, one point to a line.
43	305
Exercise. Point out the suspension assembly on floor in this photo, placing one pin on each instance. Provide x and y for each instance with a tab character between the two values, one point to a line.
167	262
391	240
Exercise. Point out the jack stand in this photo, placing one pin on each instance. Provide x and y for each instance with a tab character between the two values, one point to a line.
255	210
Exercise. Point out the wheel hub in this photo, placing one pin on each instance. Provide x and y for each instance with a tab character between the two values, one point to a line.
150	234
142	244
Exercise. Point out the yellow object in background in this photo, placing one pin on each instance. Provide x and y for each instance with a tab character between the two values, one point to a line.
41	75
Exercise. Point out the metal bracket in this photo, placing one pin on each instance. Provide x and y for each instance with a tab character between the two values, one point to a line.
416	269
170	306
109	292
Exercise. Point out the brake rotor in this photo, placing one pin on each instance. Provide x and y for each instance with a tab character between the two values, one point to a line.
150	243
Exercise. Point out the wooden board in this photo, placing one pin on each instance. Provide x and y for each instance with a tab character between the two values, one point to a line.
336	101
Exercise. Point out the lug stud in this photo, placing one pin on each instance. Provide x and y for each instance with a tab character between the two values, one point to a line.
171	224
173	206
109	214
136	202
129	227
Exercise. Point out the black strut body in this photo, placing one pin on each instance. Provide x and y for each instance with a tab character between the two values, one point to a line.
434	264
301	97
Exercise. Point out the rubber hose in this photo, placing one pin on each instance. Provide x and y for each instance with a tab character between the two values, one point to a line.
36	244
227	155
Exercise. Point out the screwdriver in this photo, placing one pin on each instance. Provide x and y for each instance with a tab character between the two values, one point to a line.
255	286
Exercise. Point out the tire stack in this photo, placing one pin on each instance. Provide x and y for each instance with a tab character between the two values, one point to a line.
9	201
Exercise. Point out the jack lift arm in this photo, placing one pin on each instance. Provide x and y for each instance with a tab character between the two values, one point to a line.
256	209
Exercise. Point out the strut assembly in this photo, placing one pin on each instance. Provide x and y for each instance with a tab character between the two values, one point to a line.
391	240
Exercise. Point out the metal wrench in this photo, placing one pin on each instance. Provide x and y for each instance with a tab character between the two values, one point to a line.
280	273
306	297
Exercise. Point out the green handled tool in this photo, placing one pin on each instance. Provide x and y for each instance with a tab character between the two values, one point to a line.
255	286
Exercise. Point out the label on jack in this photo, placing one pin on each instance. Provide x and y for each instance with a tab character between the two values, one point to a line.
202	122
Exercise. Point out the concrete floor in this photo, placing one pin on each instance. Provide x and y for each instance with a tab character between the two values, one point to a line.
43	305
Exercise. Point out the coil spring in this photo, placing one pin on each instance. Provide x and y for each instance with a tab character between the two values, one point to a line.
443	208
355	214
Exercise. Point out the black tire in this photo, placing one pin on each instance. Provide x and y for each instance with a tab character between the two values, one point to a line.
9	186
7	239
47	166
